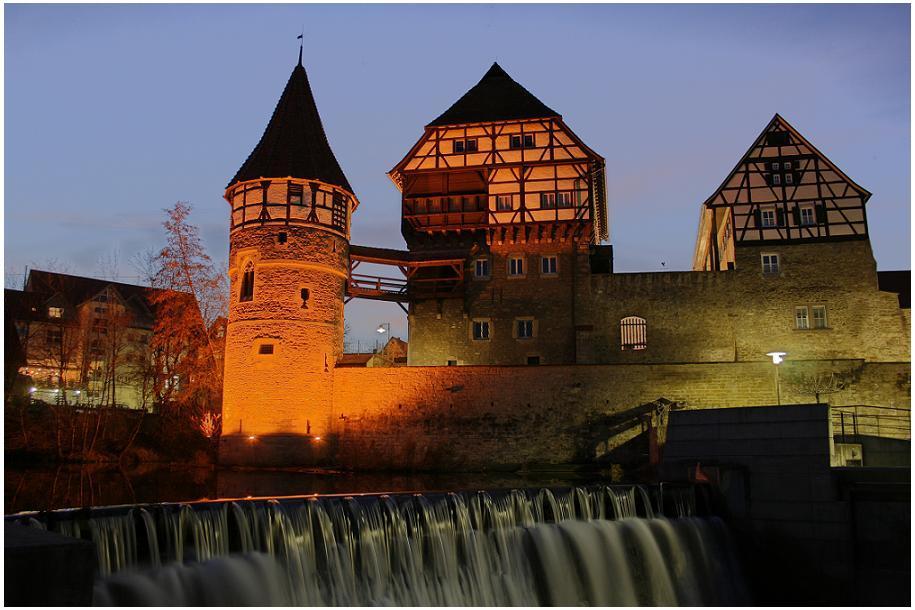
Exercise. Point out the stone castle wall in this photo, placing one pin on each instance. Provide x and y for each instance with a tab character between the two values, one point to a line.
494	417
722	316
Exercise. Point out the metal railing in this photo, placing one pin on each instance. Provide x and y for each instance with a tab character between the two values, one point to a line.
868	420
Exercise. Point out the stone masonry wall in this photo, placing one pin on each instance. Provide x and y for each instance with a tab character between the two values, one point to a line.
476	417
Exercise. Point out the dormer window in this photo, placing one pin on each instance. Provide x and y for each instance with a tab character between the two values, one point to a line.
55	312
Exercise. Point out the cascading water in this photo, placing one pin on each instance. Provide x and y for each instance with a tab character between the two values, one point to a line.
580	546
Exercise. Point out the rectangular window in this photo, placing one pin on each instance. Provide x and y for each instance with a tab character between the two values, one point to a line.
503	202
768	218
527	141
481	269
770	263
564	199
265	349
452	363
470	145
516	266
533	360
819	316
55	312
775	167
801	322
281	237
789	178
807	217
776	179
481	330
55	336
547	201
549	265
524	329
457	146
295	194
787	165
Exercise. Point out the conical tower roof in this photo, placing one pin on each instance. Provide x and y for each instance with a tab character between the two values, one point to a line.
497	97
294	143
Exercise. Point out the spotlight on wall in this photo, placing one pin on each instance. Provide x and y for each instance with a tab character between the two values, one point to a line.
252	438
316	438
32	390
777	357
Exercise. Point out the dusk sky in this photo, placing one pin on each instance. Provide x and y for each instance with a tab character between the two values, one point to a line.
114	112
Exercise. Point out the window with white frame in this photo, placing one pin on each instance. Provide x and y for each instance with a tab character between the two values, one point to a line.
503	203
547	201
481	269
524	328
801	321
819	316
789	178
770	263
549	264
633	333
480	330
776	179
767	218
515	266
807	216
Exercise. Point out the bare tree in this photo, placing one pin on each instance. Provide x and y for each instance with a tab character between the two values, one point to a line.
820	384
191	299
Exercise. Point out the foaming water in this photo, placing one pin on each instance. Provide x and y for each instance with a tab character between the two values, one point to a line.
581	546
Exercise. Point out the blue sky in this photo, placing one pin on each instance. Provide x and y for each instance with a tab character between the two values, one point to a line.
114	112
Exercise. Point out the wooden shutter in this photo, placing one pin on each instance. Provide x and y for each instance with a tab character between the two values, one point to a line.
780	217
797	215
821	213
757	217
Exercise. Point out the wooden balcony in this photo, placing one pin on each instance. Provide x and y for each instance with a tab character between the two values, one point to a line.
447	213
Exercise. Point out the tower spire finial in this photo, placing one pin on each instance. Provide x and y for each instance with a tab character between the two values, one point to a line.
301	42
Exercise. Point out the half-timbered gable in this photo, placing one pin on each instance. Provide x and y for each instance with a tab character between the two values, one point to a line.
782	190
497	159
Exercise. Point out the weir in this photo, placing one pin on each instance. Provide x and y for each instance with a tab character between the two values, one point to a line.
600	545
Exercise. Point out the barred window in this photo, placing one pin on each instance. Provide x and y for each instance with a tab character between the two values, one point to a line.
633	333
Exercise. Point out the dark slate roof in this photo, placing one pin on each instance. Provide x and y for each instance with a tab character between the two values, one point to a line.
899	282
294	143
44	286
497	97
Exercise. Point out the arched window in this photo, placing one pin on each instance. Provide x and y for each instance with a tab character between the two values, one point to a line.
633	333
247	283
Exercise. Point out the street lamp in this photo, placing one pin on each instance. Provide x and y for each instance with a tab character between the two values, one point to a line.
777	358
384	327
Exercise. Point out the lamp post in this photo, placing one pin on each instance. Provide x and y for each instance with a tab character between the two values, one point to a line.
384	327
777	358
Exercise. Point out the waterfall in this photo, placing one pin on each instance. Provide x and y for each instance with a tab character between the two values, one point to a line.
579	546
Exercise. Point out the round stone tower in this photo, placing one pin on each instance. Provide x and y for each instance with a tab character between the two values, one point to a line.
288	267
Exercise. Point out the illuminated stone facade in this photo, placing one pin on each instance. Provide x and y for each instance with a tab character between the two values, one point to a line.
504	213
289	260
